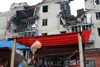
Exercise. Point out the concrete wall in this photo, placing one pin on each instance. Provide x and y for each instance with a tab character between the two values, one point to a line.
3	24
53	23
4	14
89	4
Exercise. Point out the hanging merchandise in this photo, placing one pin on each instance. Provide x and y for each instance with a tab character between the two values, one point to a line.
38	44
66	63
45	61
73	63
67	60
32	48
78	62
67	57
40	56
33	60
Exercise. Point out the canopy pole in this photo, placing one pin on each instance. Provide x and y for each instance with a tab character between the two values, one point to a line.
80	50
13	53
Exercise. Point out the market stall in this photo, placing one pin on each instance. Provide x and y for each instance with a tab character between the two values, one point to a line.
4	57
73	41
5	51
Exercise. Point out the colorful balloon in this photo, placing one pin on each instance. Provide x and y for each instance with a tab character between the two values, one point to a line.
25	64
38	44
33	49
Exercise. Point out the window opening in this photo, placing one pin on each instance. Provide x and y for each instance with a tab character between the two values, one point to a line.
62	6
98	15
44	34
99	31
44	23
45	8
96	2
90	63
63	32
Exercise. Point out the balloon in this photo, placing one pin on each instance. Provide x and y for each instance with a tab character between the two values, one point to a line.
33	49
21	65
25	64
38	44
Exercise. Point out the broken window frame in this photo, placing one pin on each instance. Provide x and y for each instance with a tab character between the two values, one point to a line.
44	22
45	8
97	15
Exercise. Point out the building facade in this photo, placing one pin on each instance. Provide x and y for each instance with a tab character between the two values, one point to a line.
60	20
49	22
92	7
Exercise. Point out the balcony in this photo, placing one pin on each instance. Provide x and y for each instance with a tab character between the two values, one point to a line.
28	33
91	39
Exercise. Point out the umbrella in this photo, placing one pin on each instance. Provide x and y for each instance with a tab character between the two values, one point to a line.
9	44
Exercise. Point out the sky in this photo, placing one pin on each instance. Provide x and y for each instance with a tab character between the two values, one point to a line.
5	5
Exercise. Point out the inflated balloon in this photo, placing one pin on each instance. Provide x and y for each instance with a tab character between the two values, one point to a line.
25	64
38	44
33	49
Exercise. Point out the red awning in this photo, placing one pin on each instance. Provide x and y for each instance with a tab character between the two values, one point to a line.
54	40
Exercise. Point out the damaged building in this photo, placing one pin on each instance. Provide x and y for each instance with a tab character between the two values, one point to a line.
93	11
21	20
28	21
12	21
49	21
42	19
61	21
52	17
